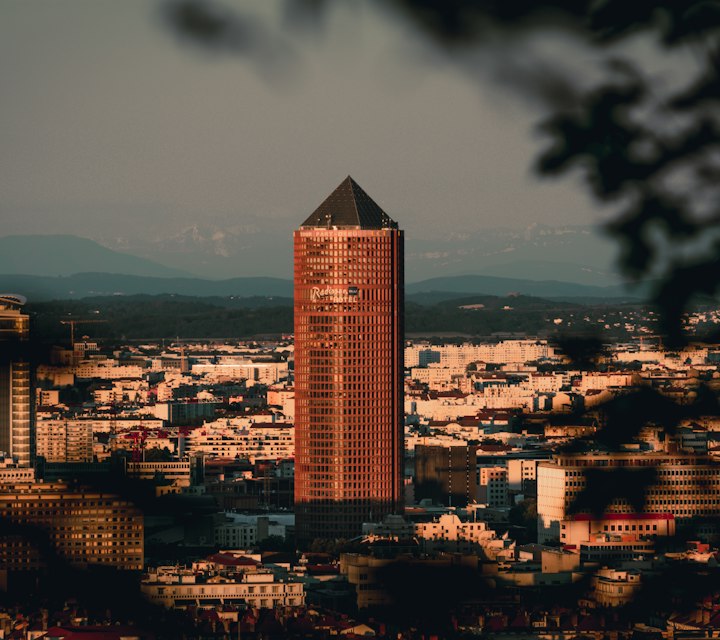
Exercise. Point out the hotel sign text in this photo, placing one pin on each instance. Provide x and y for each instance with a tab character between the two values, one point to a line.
330	294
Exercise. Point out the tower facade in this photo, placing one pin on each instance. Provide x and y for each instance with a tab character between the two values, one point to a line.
348	366
16	424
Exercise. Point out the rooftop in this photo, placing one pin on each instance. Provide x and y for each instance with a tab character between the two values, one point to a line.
349	207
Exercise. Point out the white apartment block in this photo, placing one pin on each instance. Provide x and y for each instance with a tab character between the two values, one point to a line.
450	533
545	383
687	485
262	372
64	440
447	533
123	391
507	351
106	425
106	370
263	441
596	380
47	397
436	376
284	398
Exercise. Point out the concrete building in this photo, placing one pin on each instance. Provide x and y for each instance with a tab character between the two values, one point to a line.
613	588
685	485
229	578
65	441
492	485
184	412
16	405
348	365
12	473
176	472
446	474
582	527
256	441
85	527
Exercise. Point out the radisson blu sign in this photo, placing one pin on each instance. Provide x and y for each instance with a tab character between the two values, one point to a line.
330	294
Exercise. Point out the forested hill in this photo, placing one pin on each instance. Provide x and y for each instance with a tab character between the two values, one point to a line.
170	316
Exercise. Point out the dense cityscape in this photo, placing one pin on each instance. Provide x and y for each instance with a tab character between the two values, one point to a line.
241	397
348	481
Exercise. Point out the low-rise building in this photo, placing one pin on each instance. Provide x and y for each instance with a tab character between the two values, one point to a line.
230	579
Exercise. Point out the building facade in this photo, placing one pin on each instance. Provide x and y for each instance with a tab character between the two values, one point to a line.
84	527
684	485
348	365
16	420
64	440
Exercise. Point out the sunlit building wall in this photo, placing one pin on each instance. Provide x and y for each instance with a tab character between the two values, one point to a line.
348	365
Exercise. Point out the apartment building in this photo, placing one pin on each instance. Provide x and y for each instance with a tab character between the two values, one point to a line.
84	527
65	440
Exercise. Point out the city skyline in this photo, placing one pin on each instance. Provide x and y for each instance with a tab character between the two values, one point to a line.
452	421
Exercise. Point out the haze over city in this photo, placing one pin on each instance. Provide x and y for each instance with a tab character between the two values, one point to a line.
114	128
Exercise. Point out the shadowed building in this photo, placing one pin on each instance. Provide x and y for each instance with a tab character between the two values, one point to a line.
348	366
446	475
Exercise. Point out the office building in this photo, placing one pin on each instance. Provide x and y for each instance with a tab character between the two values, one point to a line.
16	423
348	365
687	486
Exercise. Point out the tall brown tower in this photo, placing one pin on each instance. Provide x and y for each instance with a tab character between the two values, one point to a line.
348	366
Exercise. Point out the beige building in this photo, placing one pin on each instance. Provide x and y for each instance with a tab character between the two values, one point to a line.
64	441
176	472
492	485
686	485
173	587
581	528
612	588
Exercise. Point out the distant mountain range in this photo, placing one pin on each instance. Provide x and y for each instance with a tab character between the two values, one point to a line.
227	248
70	267
571	253
84	285
456	286
63	255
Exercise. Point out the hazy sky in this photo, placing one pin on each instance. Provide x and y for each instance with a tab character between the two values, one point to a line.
110	124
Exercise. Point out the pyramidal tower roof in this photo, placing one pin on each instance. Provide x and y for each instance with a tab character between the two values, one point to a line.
349	207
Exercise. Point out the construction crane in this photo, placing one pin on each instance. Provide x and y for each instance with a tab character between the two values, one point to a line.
138	447
73	321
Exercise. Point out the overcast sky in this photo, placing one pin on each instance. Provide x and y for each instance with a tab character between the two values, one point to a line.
108	121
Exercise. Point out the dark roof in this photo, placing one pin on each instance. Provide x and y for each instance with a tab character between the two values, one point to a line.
349	206
229	560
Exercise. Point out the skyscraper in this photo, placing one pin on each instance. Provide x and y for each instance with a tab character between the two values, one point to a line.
348	365
15	395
